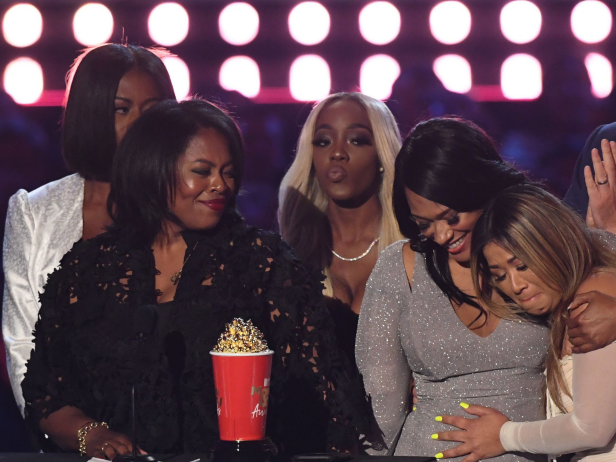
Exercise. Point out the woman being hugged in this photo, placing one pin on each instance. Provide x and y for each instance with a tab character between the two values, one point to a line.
421	315
108	87
335	200
538	254
177	243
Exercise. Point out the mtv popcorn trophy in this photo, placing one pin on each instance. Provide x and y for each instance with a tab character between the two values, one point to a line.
242	367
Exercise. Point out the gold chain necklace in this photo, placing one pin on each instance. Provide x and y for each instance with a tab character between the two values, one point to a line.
361	256
176	276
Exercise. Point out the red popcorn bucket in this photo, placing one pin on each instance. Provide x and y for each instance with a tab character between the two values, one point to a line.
242	383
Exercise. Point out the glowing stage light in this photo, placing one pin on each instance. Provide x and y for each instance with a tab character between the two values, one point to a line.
600	72
309	79
521	77
22	25
379	23
450	22
168	24
23	80
92	24
454	72
377	75
309	23
238	23
591	21
520	21
241	74
180	76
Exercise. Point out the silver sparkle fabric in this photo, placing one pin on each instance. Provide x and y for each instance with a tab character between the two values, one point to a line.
41	226
402	331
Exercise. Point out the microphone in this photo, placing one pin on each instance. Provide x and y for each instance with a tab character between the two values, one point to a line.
145	320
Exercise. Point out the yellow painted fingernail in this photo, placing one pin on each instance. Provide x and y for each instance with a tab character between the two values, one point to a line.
439	455
438	418
464	405
434	436
414	408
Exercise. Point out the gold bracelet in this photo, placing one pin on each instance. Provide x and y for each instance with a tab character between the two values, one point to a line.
83	431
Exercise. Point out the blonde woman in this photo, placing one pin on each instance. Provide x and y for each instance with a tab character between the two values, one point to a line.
336	199
530	256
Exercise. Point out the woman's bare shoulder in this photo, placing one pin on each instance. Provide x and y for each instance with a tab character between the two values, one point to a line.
602	280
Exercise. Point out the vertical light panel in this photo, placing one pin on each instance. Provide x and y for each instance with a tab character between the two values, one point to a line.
450	22
22	25
379	23
377	75
93	24
23	80
168	24
241	74
521	77
238	23
600	73
520	21
454	72
180	76
309	78
309	23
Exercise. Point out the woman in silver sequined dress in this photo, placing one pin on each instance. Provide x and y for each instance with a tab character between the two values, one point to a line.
420	315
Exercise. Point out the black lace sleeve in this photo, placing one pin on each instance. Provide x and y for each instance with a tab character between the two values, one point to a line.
50	382
319	385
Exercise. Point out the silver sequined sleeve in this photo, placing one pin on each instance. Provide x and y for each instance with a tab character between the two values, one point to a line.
20	303
41	226
379	353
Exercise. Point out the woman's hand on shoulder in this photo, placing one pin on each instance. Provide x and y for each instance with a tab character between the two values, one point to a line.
480	437
104	443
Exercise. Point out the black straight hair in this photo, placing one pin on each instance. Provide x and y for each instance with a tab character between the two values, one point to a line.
145	168
88	123
453	162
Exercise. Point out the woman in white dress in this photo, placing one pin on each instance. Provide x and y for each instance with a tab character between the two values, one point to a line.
538	254
108	88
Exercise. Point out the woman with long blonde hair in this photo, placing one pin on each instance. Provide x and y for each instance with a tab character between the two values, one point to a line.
530	256
336	199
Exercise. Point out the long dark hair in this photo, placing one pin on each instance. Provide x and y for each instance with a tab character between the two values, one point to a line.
145	168
452	162
88	124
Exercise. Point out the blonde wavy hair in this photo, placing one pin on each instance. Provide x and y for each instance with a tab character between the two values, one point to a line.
300	187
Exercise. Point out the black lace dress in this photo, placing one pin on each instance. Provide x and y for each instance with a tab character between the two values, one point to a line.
86	353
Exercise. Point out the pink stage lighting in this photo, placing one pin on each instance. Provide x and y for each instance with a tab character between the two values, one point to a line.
520	21
241	74
450	22
22	25
23	80
379	23
309	79
454	72
591	21
92	24
309	23
377	75
238	23
521	77
180	76
600	72
168	24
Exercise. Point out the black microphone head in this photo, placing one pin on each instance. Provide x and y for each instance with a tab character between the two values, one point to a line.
145	319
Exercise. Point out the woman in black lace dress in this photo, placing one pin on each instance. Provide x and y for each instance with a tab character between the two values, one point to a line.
178	243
